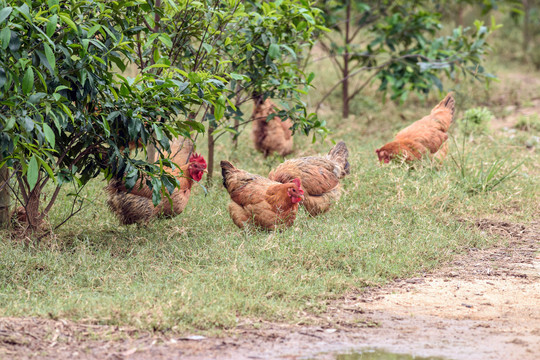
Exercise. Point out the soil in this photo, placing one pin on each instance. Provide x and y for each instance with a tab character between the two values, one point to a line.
483	305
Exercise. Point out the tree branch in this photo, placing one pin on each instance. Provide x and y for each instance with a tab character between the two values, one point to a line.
364	68
355	92
51	202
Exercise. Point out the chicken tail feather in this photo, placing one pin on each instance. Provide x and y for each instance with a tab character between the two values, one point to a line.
340	154
447	107
226	168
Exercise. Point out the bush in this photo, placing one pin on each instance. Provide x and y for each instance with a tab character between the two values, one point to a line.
475	121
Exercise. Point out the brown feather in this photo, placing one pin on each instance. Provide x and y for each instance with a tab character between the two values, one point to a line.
320	177
135	205
273	135
257	200
423	137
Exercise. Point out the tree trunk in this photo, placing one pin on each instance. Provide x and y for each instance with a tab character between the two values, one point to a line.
345	87
460	15
4	196
33	216
210	154
526	32
151	153
235	136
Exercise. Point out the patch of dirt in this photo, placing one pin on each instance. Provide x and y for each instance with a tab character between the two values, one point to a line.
484	305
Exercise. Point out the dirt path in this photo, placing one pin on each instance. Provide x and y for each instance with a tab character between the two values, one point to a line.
484	305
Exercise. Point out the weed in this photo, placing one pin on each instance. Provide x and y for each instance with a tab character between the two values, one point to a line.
480	177
475	121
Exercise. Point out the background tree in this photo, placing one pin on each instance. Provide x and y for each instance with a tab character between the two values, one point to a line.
265	52
396	43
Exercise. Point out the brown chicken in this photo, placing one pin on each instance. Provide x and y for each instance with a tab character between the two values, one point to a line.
320	177
259	201
135	205
426	136
273	135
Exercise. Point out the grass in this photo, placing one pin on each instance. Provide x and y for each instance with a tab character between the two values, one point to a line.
198	271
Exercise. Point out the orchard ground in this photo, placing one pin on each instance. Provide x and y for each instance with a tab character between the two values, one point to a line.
414	260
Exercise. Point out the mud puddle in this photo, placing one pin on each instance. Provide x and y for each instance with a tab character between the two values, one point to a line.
484	305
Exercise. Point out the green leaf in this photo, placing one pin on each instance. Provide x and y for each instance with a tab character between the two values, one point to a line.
219	108
52	3
5	37
309	18
274	51
9	124
197	126
35	98
49	135
25	11
50	56
159	133
51	25
47	168
5	12
15	42
207	47
32	173
238	76
166	40
93	30
3	77
28	123
65	18
28	81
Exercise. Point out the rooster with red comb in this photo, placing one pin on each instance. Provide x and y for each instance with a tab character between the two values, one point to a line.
135	205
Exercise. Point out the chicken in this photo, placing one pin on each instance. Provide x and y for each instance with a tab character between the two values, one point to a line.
273	135
259	201
426	136
135	205
320	177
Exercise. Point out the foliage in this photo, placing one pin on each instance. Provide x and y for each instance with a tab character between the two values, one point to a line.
397	44
66	116
475	121
257	46
268	46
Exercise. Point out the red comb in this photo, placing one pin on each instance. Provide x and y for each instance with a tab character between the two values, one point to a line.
198	159
298	183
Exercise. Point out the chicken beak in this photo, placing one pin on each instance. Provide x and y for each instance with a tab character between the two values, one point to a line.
205	171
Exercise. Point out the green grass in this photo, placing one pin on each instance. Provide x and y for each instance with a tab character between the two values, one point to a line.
198	271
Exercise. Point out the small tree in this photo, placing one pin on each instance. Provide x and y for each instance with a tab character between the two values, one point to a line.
395	43
66	116
252	44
